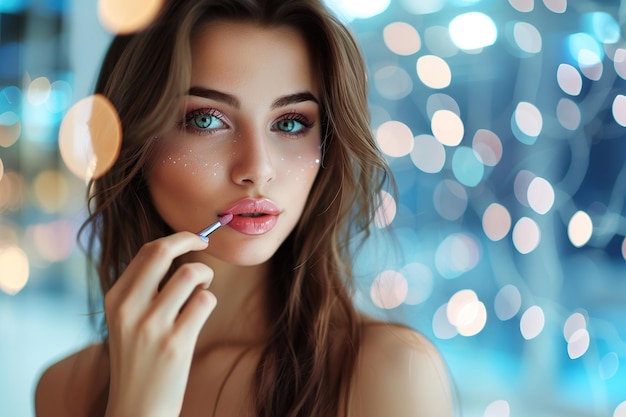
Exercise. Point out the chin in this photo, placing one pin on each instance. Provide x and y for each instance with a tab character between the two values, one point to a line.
245	254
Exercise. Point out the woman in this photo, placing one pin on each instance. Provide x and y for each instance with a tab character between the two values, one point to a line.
255	110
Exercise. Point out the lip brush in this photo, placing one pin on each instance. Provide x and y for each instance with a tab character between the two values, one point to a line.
223	221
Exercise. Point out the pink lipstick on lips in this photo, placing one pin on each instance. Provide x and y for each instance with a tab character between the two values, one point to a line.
254	216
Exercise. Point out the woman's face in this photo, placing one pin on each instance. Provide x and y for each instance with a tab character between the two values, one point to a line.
248	143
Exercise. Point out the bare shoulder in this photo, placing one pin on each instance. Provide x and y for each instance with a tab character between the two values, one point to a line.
73	385
400	373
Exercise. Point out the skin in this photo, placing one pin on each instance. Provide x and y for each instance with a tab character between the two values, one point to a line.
171	350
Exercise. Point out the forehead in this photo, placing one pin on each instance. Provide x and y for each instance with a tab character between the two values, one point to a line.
233	55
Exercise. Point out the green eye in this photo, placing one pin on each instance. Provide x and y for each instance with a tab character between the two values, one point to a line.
289	125
205	121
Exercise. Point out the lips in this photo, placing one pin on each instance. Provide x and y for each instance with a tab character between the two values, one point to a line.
253	216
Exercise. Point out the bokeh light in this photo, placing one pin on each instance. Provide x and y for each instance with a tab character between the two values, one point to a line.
580	229
401	38
529	123
578	344
447	127
440	101
15	269
619	109
540	195
556	6
527	37
496	221
90	137
578	42
393	83
608	366
442	328
433	71
508	302
473	30
10	128
526	235
11	191
54	241
466	312
39	91
498	408
389	289
395	138
123	16
569	79
590	64
619	62
568	113
423	7
487	146
51	190
523	6
574	323
467	167
532	322
428	154
521	184
602	26
457	254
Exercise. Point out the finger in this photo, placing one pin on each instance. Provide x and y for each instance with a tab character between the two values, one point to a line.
194	314
180	288
141	278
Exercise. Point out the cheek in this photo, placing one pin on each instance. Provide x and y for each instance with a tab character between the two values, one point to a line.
301	165
182	181
189	161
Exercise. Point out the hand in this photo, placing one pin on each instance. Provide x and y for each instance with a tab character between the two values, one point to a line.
152	333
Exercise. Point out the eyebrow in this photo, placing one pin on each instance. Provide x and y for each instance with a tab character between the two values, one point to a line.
234	102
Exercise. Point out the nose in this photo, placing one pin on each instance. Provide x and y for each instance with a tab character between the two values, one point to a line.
253	159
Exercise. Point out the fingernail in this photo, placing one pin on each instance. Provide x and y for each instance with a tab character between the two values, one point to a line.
205	239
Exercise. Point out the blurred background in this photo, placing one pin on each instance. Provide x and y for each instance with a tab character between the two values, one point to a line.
504	121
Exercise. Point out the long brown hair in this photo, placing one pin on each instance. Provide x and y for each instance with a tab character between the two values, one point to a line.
142	75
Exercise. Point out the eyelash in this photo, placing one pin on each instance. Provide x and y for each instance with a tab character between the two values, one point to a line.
186	123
